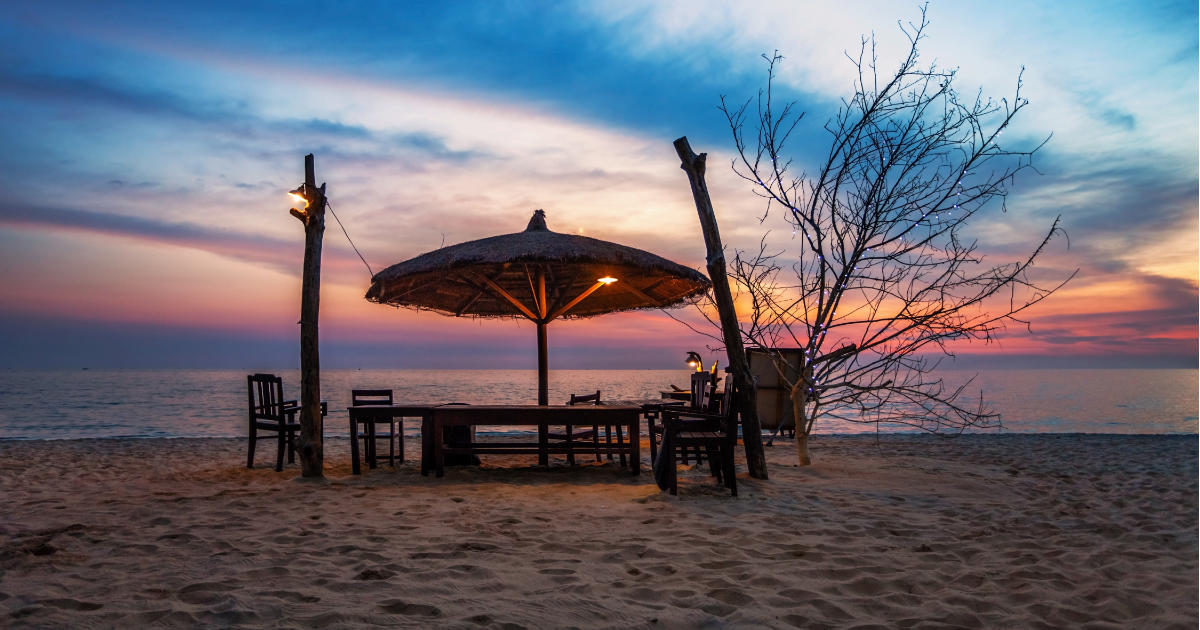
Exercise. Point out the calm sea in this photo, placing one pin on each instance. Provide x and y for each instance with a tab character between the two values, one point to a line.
212	403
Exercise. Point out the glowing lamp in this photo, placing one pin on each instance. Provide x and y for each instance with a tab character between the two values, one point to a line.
606	280
694	360
298	196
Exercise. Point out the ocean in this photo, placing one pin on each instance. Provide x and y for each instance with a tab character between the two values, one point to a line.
63	404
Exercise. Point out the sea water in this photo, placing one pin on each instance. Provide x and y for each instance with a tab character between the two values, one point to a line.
56	404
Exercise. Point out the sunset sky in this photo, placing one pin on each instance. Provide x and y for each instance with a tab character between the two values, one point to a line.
149	146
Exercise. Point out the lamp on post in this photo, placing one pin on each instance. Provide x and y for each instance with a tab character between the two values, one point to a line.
693	359
312	215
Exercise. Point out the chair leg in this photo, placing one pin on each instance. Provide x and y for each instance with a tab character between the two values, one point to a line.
279	449
714	465
672	474
369	445
730	473
596	439
250	450
291	446
570	445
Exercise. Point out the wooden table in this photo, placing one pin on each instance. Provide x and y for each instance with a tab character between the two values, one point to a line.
436	419
368	414
652	410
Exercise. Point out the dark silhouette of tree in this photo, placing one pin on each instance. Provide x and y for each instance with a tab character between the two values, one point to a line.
879	278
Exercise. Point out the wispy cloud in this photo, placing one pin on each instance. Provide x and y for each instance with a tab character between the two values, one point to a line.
178	127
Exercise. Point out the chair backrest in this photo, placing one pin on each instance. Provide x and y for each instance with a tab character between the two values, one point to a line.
370	397
727	408
701	391
265	396
585	398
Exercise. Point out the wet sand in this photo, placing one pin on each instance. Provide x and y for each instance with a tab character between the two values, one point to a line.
1010	531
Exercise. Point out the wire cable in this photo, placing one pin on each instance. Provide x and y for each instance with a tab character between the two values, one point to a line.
352	245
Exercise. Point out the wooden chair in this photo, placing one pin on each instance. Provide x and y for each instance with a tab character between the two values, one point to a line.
703	400
571	434
713	433
270	413
608	429
370	433
699	399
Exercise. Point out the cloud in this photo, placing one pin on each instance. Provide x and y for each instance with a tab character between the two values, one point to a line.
181	126
273	252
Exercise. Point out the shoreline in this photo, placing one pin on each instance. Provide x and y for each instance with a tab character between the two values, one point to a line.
412	432
891	530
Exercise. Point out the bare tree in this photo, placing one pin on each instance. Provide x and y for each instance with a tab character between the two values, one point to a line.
879	279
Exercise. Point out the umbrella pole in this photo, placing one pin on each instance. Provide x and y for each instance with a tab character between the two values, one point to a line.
543	371
542	320
543	394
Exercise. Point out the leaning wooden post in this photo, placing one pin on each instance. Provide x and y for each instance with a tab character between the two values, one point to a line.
744	391
312	456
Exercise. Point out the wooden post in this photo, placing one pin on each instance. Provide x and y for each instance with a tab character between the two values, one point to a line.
543	355
312	456
743	391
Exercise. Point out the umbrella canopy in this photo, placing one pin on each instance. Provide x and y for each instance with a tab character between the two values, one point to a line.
539	275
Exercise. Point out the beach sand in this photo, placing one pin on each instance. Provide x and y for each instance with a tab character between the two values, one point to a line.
1007	531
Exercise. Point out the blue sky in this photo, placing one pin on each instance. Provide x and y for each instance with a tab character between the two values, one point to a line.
148	147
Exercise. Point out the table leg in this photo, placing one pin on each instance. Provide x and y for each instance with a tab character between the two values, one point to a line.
400	439
426	444
635	445
621	445
543	444
354	465
439	453
650	418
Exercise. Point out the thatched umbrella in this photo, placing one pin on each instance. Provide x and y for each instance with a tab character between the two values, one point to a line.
539	275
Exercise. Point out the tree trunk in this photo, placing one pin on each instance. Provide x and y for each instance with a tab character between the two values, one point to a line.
802	449
312	456
799	399
744	391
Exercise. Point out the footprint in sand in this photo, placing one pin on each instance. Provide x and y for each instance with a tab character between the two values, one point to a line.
291	596
71	604
374	574
204	592
731	596
400	607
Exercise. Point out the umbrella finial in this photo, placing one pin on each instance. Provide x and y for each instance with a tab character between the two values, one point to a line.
537	223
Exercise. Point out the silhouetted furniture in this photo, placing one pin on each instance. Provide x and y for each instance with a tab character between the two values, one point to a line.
442	417
369	414
704	400
608	429
571	433
699	398
269	413
701	391
714	434
370	435
652	412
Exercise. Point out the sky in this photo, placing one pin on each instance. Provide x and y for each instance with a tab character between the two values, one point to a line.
148	148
